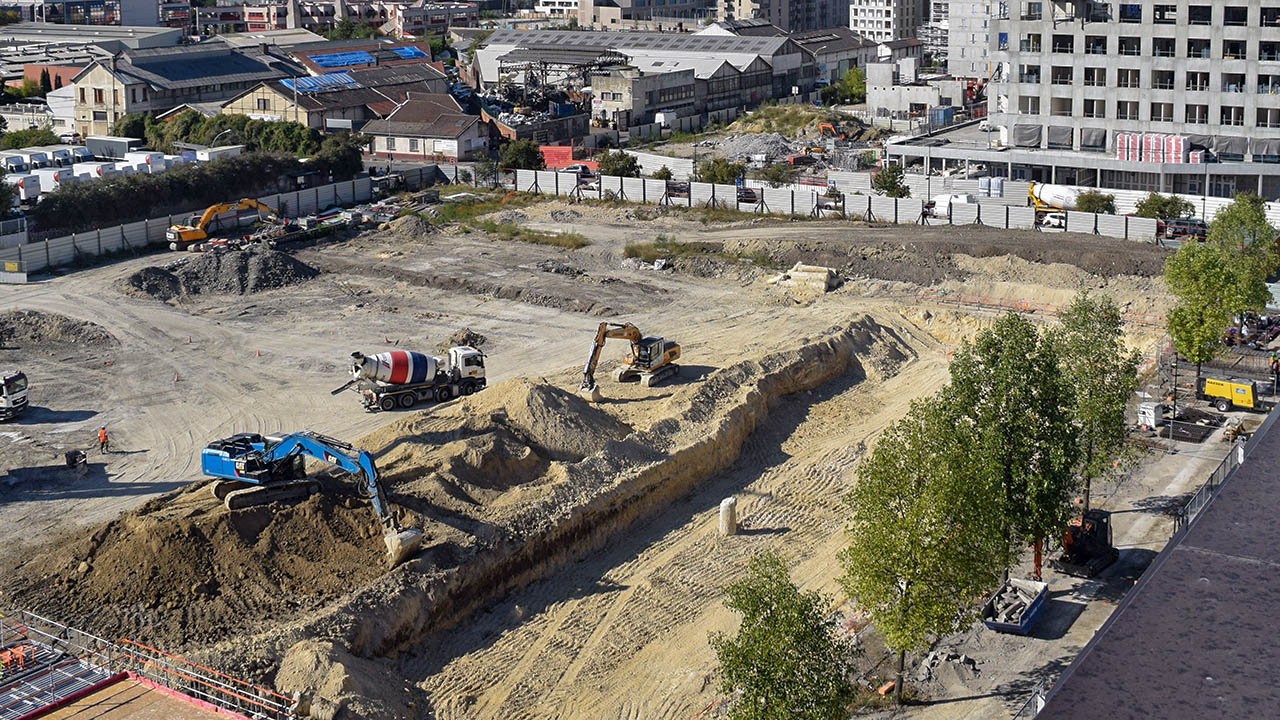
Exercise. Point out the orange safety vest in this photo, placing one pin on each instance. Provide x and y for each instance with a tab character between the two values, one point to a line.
102	435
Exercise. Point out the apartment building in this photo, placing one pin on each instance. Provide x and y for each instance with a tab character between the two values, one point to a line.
144	13
883	20
399	19
968	38
790	15
934	30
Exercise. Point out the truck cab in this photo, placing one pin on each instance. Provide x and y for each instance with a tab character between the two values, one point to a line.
13	394
468	362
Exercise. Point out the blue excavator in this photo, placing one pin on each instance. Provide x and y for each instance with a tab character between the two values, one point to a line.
255	470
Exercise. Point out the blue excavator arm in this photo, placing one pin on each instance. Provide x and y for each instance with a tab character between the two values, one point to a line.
351	459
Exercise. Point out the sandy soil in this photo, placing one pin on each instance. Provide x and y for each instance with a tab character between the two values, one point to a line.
572	567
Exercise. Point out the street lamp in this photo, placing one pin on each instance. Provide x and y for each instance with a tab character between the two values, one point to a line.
214	141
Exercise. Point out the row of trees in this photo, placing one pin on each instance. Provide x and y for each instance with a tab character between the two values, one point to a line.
944	505
272	136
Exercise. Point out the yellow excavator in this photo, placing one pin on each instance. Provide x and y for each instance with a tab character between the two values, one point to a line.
652	359
181	237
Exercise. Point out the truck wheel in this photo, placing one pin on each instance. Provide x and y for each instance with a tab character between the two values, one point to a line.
407	400
442	394
1222	404
387	403
468	388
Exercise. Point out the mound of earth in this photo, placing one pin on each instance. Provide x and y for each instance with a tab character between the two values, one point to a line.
230	272
23	329
410	227
465	336
182	569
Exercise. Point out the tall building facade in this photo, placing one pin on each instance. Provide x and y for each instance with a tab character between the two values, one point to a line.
789	15
884	20
1075	75
968	41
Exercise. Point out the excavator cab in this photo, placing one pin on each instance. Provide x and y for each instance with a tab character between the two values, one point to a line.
1086	545
652	361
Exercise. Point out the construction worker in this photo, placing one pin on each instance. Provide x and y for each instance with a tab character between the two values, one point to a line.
103	443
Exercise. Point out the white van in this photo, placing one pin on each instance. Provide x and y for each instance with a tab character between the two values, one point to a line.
53	178
25	185
95	170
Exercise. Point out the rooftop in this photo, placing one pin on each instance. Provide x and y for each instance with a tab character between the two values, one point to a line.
832	40
424	115
195	66
279	38
113	37
1195	637
671	42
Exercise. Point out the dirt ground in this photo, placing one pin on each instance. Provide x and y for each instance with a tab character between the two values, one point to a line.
572	566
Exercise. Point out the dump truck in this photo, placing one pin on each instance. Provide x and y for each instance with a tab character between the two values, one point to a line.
1226	395
403	379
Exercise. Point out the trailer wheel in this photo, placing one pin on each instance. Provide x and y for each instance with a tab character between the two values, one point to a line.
442	394
387	403
1222	404
468	388
407	400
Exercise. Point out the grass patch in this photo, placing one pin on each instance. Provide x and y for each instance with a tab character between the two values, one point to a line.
724	215
664	246
468	210
789	119
508	231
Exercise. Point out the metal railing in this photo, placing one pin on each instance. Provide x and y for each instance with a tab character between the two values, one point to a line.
1034	703
1210	488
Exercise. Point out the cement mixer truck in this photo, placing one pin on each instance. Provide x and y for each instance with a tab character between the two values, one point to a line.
403	379
1052	198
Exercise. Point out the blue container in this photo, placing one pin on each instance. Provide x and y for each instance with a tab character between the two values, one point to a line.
942	116
1038	590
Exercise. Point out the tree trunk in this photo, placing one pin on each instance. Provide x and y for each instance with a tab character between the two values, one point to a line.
1035	574
1087	484
897	684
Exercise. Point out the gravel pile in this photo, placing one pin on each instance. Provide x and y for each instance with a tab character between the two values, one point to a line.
559	268
26	328
231	272
410	227
565	216
465	337
742	147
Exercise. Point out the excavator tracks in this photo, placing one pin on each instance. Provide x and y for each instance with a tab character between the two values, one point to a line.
261	495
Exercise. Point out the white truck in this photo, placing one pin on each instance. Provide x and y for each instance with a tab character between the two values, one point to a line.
35	158
217	153
13	163
95	170
940	205
1045	197
13	394
59	156
400	378
52	178
146	161
25	185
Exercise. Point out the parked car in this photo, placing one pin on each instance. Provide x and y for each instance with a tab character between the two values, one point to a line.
747	195
1184	227
578	169
1054	220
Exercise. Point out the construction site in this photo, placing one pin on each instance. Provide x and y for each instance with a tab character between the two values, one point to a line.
533	543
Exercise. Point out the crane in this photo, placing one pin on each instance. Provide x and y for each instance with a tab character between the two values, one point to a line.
254	470
181	236
651	361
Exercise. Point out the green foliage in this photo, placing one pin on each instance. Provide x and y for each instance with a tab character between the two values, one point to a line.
82	206
132	125
889	181
486	171
1009	388
1201	277
1103	374
787	660
9	17
29	88
1242	232
511	231
28	138
868	159
256	135
1164	207
340	155
7	199
347	30
620	164
924	532
720	171
663	173
851	88
521	155
1093	201
46	84
777	174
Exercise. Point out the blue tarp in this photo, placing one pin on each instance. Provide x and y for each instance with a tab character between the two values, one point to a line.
409	53
344	59
328	81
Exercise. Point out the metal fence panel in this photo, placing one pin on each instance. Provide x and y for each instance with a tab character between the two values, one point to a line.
727	196
1021	217
909	209
781	201
964	213
565	183
700	193
61	250
1081	222
964	186
1115	226
526	180
654	190
1143	229
1017	190
804	202
325	197
884	209
634	190
611	184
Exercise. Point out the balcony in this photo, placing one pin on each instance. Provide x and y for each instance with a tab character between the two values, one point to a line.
1031	78
1028	47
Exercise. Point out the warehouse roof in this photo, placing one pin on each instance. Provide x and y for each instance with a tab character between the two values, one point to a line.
429	115
832	40
280	38
395	75
1195	637
112	37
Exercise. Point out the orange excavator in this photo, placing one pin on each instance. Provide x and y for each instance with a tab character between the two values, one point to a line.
652	359
181	237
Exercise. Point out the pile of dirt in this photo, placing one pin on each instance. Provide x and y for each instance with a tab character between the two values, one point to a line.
511	217
745	147
182	569
410	227
560	267
465	337
25	329
229	272
565	216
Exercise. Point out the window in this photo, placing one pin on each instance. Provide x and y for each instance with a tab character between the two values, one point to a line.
1270	17
1198	114
1130	13
1029	74
1268	118
115	96
1197	48
1232	115
1232	82
1061	106
1031	11
413	144
1200	15
1269	51
1064	44
1197	81
1129	78
99	115
1130	46
1163	47
82	94
1162	80
264	104
1095	77
1233	50
97	96
1095	108
1268	84
1062	76
1161	112
391	144
1030	43
1029	105
1164	14
1127	110
1235	16
1095	45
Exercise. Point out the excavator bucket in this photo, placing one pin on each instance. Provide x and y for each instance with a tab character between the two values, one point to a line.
401	545
592	395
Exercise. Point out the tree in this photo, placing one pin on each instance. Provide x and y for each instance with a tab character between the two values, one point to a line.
347	30
925	533
1200	276
720	171
787	660
1008	386
1103	375
132	125
28	138
619	164
1164	207
1093	201
663	173
46	84
850	89
486	172
6	199
521	155
1242	232
777	174
888	181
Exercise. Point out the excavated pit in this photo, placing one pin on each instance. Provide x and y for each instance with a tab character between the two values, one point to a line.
508	484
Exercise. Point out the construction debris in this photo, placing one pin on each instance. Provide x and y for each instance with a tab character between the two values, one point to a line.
814	277
235	272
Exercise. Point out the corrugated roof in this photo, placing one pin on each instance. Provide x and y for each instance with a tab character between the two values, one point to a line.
425	115
395	75
637	40
182	67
